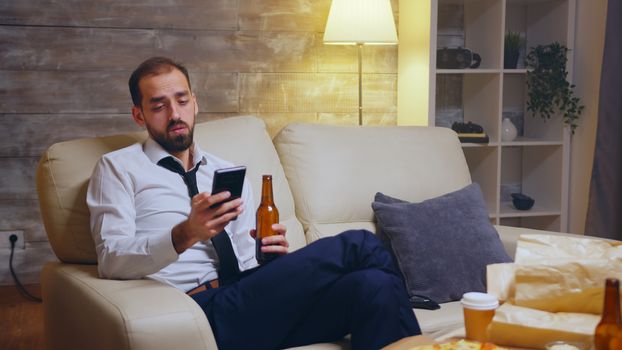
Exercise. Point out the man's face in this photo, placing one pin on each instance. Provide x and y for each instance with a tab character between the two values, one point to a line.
168	109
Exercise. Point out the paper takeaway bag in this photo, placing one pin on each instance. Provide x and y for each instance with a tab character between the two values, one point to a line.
553	291
530	328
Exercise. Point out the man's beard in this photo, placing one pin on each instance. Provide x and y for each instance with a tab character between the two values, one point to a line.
177	143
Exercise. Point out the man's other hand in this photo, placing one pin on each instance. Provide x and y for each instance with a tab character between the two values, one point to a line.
276	243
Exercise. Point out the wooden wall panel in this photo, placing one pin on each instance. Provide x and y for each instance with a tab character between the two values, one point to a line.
343	58
450	25
18	178
216	92
63	92
34	133
449	91
451	19
279	15
45	48
65	66
242	51
290	15
62	48
23	215
188	14
322	92
298	92
380	93
98	92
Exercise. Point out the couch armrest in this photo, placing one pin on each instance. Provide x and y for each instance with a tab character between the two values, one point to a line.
82	311
509	236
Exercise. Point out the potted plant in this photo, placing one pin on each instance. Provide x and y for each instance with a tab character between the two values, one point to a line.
548	91
511	49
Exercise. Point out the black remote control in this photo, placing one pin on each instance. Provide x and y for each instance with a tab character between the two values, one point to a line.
421	302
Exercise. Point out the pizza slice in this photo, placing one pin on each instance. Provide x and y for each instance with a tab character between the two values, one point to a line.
459	345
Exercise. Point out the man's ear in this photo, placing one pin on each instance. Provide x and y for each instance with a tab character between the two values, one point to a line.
137	114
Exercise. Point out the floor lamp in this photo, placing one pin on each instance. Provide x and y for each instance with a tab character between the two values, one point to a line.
360	22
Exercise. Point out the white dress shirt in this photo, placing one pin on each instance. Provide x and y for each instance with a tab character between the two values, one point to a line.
134	205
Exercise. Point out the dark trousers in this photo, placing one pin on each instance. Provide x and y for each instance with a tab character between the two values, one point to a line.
347	284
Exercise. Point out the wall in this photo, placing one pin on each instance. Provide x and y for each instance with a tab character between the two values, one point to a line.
589	43
65	66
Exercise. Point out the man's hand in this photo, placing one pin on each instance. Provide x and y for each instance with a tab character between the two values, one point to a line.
276	243
205	222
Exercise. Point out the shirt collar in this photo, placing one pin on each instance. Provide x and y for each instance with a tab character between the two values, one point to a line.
155	152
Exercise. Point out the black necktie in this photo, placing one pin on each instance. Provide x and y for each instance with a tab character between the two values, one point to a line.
228	271
190	177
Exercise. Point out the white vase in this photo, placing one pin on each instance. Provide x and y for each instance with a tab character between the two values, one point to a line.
508	130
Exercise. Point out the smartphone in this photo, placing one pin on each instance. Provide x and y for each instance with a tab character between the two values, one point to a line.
229	179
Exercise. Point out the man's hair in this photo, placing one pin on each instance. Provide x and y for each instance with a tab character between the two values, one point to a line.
153	66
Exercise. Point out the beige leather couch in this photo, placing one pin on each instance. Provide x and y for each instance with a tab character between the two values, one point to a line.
325	178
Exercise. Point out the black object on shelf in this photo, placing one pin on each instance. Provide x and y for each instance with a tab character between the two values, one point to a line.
522	201
470	132
457	58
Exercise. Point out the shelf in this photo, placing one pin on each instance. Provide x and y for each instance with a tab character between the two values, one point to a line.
535	171
529	2
469	71
458	2
547	222
531	131
536	163
514	2
483	163
479	145
515	71
507	210
468	98
526	141
540	22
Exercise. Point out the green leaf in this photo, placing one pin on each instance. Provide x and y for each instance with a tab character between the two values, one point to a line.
548	90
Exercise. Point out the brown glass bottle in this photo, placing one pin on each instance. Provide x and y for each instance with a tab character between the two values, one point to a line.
267	214
610	324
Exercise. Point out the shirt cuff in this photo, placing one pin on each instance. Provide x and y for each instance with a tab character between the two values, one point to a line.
161	248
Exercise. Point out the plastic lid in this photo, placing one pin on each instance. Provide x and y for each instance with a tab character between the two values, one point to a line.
479	301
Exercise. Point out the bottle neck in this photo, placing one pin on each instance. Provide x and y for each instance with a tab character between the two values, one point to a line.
266	190
611	309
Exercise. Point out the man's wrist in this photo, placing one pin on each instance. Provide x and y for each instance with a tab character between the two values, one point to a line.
180	235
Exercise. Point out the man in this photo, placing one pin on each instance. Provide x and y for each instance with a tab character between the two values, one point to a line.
151	218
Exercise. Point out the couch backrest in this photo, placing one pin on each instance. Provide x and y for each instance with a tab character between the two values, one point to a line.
65	169
335	171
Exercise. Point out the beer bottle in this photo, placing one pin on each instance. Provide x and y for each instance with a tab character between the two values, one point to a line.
267	214
610	324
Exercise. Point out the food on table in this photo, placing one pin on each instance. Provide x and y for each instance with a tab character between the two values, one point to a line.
459	345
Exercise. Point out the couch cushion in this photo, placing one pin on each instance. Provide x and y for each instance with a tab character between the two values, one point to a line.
65	169
334	171
442	245
83	311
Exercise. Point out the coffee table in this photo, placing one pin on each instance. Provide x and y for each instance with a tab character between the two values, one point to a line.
409	342
418	340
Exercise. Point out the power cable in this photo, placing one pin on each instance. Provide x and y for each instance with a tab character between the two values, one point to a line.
18	284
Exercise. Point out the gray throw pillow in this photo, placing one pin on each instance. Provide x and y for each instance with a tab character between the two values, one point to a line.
442	245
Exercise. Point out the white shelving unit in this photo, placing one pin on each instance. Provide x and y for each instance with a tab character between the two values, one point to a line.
537	162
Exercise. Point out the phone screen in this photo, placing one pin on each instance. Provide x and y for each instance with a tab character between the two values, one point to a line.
229	179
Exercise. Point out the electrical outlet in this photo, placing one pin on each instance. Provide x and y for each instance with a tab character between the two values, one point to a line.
5	243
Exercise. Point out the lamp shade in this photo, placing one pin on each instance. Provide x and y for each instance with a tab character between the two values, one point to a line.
352	22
